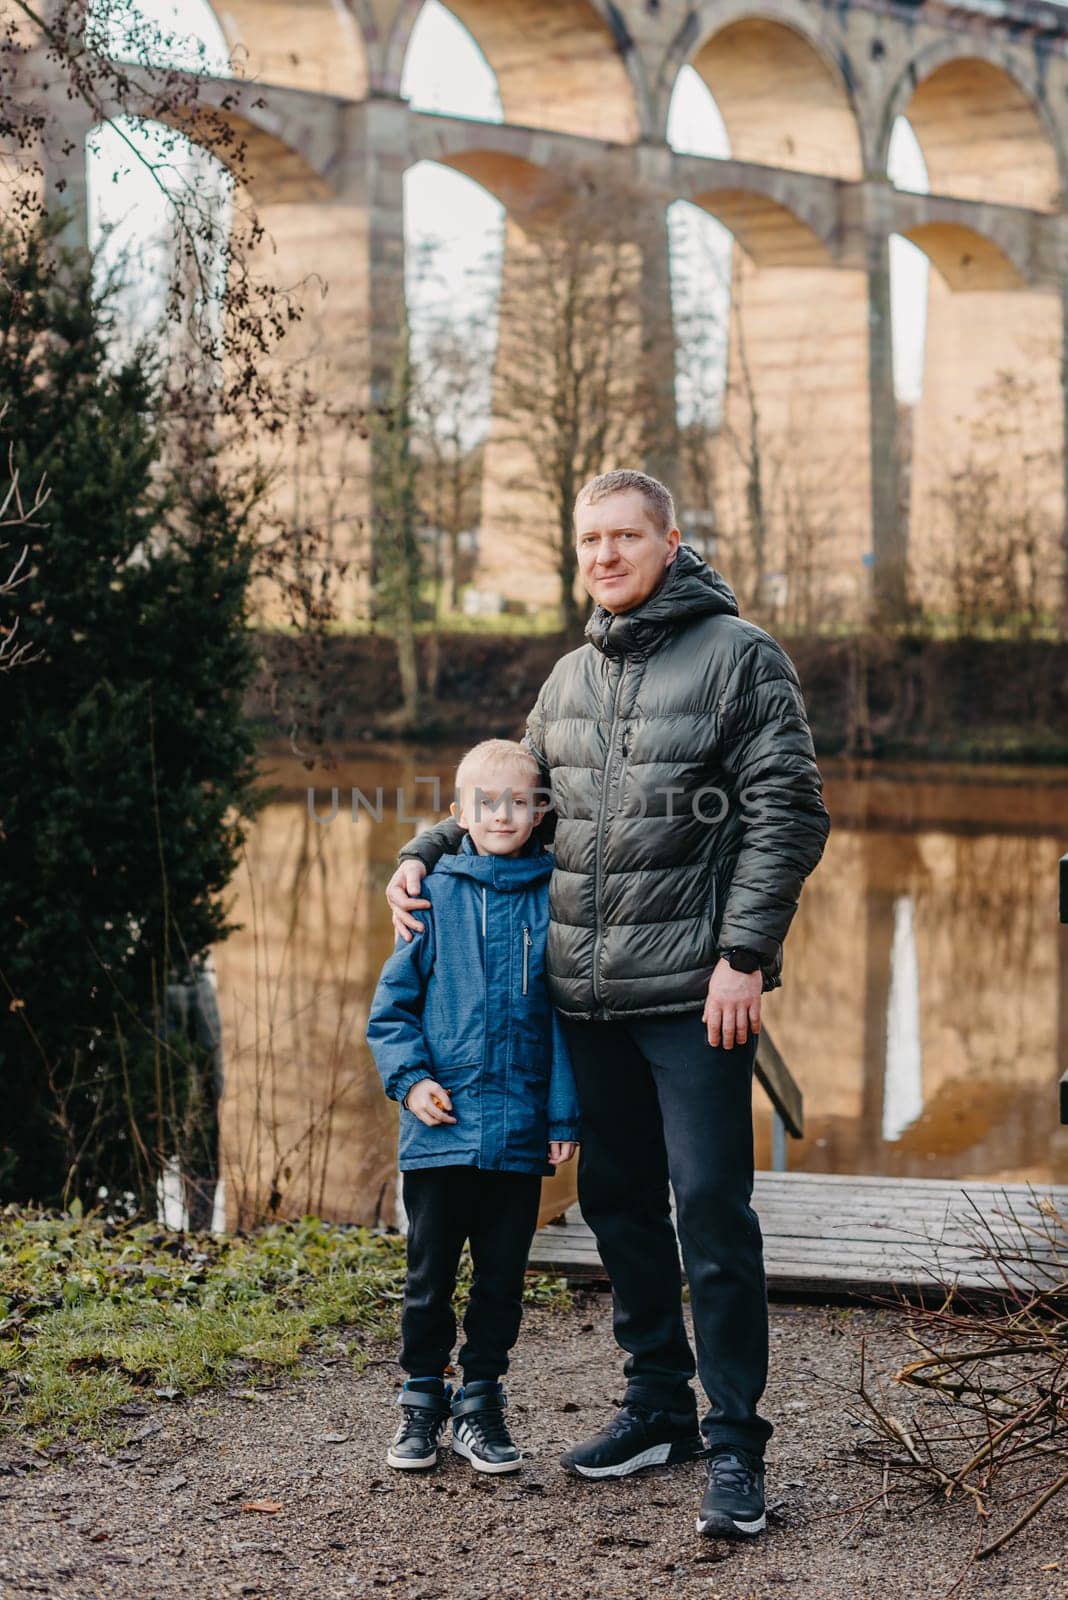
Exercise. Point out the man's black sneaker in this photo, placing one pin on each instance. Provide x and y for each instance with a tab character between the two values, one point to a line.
635	1438
734	1499
423	1418
479	1431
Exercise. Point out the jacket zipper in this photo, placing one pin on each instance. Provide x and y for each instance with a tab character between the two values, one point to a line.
483	913
623	765
527	942
599	844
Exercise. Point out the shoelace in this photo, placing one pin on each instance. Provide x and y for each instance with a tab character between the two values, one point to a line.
489	1426
730	1472
417	1419
624	1420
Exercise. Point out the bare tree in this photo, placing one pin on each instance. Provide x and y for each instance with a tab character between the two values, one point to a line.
997	530
569	396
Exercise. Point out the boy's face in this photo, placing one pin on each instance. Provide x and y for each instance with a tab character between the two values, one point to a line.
499	825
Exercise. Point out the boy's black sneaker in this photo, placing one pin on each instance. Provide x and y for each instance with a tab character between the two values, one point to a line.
635	1438
479	1431
734	1500
424	1413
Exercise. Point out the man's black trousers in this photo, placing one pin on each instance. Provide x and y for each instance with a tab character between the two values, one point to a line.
497	1212
660	1105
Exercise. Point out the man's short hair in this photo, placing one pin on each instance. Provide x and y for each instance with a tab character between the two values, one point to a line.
657	495
494	756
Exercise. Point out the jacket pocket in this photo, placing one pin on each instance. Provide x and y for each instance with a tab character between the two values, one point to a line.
712	913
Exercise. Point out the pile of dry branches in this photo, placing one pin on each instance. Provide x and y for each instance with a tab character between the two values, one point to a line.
989	1387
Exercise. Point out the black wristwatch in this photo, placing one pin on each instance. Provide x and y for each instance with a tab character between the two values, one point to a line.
741	959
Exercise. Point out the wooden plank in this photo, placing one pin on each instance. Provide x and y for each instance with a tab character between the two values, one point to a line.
837	1234
779	1086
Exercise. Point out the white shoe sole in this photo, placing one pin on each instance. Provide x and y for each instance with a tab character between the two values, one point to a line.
485	1466
655	1456
411	1463
720	1523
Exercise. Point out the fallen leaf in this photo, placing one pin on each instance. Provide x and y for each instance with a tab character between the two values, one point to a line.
271	1507
98	1538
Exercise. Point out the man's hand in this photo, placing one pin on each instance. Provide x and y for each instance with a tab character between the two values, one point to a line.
560	1150
429	1102
732	1005
402	892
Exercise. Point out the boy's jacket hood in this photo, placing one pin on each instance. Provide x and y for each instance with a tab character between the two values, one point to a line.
689	588
510	873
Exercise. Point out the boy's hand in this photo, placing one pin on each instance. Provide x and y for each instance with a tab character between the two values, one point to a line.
560	1150
430	1102
402	892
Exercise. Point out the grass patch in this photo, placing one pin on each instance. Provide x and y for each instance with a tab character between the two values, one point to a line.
96	1314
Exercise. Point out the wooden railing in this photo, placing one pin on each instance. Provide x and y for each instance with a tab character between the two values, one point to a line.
787	1104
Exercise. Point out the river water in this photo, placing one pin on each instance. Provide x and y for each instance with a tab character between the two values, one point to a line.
924	1007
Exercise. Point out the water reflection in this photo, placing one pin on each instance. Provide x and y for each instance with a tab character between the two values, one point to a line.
924	1007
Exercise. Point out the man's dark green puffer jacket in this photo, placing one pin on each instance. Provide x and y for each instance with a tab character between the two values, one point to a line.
688	804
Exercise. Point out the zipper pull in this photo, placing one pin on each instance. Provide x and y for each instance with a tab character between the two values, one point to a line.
626	738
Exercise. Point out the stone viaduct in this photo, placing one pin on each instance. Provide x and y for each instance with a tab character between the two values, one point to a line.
809	93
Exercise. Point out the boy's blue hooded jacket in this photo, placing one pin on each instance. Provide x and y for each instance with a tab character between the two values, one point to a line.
466	1003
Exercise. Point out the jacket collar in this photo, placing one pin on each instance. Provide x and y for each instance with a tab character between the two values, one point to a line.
689	588
510	873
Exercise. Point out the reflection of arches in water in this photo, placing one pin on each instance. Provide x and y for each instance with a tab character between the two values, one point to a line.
903	1075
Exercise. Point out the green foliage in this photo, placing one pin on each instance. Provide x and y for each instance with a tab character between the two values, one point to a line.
126	765
94	1313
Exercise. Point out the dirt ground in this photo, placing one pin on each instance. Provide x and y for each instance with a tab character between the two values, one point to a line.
167	1516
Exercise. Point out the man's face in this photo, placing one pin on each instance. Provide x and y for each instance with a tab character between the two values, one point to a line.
621	554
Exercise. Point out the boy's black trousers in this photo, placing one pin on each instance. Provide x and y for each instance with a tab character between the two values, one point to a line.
660	1105
497	1212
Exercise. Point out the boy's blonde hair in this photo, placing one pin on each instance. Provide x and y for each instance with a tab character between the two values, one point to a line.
494	756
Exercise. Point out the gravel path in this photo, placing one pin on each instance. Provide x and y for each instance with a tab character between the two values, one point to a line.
166	1517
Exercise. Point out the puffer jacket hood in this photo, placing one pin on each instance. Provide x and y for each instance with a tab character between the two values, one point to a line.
689	588
508	873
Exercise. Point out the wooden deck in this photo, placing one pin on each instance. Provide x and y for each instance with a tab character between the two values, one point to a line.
872	1236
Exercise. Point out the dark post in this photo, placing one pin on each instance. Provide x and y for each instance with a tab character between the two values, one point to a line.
1063	1041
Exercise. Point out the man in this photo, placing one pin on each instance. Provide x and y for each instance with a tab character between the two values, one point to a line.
688	812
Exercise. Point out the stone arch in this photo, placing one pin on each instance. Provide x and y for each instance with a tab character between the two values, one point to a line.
526	190
770	233
785	92
560	64
276	170
981	124
319	45
967	260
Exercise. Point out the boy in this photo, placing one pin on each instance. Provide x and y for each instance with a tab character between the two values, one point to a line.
464	1036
